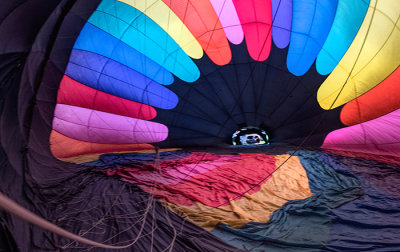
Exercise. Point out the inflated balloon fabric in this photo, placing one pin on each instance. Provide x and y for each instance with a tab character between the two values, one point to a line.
117	116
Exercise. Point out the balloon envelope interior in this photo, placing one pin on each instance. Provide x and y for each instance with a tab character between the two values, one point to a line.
118	119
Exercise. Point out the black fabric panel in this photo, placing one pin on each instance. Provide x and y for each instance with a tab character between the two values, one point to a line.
248	93
20	21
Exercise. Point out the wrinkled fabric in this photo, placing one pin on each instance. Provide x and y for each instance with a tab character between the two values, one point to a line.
288	182
300	225
77	198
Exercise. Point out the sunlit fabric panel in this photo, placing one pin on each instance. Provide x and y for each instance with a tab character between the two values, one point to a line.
348	19
161	14
373	55
200	18
377	102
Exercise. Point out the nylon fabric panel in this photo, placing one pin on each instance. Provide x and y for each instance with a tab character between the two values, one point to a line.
301	225
74	93
256	19
200	18
215	187
161	14
380	199
64	147
288	182
109	76
282	22
116	50
373	55
349	16
177	172
229	19
378	136
377	102
311	23
140	32
105	128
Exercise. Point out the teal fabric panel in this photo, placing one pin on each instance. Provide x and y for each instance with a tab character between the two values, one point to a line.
349	17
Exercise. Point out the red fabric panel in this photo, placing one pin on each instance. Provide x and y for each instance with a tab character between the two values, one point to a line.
256	19
72	92
64	147
202	21
379	101
213	188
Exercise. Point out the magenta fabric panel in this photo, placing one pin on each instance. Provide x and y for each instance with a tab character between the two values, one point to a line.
378	136
174	172
256	19
101	127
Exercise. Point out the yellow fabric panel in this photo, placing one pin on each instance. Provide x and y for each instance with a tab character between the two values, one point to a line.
161	14
373	55
289	182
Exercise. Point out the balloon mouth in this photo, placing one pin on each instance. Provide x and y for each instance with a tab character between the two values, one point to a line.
250	136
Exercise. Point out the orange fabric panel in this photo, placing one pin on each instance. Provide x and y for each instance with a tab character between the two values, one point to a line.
202	21
377	102
288	182
65	147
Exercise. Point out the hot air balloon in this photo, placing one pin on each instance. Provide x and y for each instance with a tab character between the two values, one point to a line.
200	125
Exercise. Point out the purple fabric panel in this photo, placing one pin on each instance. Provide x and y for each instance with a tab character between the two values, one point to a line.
282	22
229	20
100	127
378	136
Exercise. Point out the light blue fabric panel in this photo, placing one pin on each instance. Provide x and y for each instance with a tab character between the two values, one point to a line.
312	21
349	17
140	32
95	40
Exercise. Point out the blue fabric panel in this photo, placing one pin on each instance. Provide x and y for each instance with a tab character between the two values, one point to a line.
139	159
109	76
372	221
312	21
348	19
140	32
96	40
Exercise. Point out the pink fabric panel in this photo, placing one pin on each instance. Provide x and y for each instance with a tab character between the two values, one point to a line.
215	187
378	136
229	20
101	127
256	19
171	174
